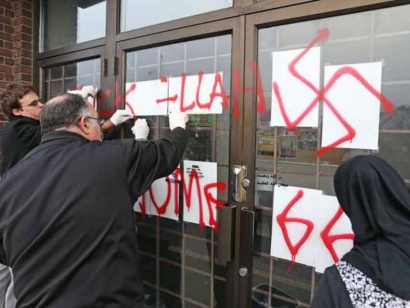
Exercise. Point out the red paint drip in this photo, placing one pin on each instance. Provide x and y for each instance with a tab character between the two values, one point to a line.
161	210
210	199
328	240
283	219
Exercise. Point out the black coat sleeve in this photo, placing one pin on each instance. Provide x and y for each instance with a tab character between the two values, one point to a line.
147	161
331	291
29	134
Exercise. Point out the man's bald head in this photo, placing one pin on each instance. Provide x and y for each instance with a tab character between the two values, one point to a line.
62	111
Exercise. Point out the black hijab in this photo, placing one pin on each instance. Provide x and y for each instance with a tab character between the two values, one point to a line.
375	198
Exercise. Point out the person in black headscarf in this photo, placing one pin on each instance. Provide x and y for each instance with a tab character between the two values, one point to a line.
376	272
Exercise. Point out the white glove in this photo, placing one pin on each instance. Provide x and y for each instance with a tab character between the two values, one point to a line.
178	119
88	91
85	92
120	116
140	129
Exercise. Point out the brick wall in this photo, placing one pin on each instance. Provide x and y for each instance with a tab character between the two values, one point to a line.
16	43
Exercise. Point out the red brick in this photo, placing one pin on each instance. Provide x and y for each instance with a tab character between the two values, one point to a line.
8	45
27	5
6	4
8	29
5	52
26	61
3	85
22	21
24	53
16	5
22	28
23	77
27	13
5	20
8	61
6	69
1	60
6	36
26	37
2	76
9	77
23	69
8	13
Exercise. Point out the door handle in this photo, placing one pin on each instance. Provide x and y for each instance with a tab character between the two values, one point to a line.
226	234
239	182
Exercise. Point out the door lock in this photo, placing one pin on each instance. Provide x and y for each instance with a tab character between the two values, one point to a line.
243	272
246	183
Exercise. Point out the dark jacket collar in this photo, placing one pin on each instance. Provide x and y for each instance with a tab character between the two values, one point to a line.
62	135
16	118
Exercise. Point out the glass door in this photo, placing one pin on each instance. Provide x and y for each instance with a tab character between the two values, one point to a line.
306	124
177	223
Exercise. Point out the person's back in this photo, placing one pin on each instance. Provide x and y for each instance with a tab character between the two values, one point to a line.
67	226
376	272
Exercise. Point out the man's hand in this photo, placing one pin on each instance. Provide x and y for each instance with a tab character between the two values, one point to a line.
85	92
120	116
140	129
178	120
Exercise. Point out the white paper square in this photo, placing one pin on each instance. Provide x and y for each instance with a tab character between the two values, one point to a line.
296	95
356	104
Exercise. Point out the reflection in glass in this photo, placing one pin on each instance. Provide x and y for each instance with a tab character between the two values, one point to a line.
137	14
60	79
70	22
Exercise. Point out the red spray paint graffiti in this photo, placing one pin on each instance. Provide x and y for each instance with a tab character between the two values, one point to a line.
328	240
188	189
321	94
283	219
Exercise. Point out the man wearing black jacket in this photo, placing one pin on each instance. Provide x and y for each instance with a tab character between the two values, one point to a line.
66	211
22	106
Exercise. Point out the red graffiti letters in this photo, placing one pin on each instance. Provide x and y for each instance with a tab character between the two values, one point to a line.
283	219
328	240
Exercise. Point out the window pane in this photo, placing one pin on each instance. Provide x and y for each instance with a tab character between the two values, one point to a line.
137	14
70	22
60	79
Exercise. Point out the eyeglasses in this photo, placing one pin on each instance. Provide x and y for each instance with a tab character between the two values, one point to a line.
34	103
99	121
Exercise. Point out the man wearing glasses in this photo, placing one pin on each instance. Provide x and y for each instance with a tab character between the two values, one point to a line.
22	106
67	226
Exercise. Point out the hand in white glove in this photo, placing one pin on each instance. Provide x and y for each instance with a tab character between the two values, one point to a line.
85	92
88	91
140	129
178	120
120	116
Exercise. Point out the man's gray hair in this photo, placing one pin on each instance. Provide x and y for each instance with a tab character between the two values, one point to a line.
62	111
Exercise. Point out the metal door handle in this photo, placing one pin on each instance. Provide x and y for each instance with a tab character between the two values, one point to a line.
239	182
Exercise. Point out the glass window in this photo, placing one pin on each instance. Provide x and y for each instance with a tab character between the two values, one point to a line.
137	14
60	79
181	262
290	157
70	22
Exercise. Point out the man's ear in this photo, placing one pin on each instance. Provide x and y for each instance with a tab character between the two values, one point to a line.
84	125
16	112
